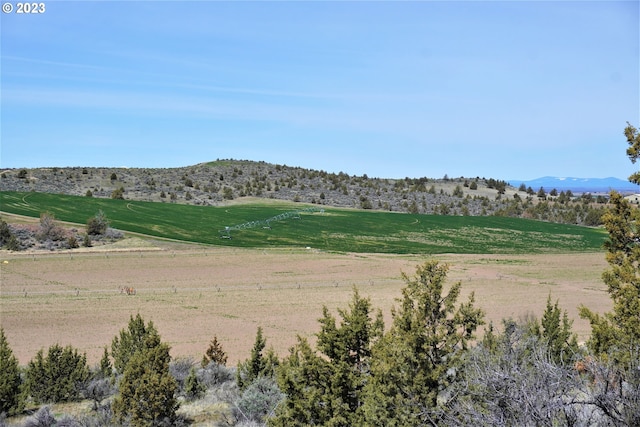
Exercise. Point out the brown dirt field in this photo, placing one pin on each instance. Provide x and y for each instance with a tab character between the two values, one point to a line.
192	294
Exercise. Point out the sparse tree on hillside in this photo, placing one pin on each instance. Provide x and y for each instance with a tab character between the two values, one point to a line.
118	193
227	193
542	195
101	383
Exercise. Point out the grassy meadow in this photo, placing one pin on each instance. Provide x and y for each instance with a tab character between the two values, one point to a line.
333	229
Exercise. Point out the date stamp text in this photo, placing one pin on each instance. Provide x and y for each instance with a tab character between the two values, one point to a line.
24	8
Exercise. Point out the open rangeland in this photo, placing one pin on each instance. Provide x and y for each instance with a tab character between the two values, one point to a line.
194	293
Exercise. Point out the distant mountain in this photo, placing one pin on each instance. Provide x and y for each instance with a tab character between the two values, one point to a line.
579	185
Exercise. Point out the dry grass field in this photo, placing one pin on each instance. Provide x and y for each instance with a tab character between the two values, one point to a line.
192	293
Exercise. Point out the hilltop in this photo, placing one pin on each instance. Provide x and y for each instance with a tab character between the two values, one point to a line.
231	181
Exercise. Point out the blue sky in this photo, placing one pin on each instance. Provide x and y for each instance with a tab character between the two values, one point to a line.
508	90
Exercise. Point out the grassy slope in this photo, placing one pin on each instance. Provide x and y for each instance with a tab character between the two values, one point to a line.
335	229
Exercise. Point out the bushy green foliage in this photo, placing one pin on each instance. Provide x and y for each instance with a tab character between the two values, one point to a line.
72	242
556	332
417	358
147	390
617	334
193	388
105	368
58	376
633	151
11	398
130	340
258	364
327	389
5	232
7	239
97	224
118	193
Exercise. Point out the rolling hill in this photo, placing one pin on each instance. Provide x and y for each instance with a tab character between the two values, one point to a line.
225	181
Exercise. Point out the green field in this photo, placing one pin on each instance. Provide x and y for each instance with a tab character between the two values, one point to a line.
344	230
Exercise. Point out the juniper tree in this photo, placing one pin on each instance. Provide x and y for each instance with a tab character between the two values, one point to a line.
97	224
130	340
146	393
193	387
417	359
58	376
5	233
258	364
617	333
11	400
215	353
615	336
327	388
554	329
105	369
